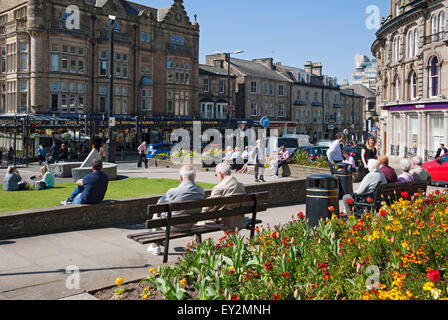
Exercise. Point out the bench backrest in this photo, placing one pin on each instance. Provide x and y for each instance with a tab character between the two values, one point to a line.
213	202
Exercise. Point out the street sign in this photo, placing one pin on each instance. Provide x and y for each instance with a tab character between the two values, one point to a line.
112	122
264	122
346	132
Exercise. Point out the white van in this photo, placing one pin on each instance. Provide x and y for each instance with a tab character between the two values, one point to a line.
291	142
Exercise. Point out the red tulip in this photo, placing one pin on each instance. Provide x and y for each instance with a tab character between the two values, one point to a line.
331	208
350	201
383	213
434	275
369	200
300	215
405	195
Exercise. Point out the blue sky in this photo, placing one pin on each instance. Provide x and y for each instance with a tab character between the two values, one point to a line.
290	31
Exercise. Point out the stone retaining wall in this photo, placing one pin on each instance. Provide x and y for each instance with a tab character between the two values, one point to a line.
76	217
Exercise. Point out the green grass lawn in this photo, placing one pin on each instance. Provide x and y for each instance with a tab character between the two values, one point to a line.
122	189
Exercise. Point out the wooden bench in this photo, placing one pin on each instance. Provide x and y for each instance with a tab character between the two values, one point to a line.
387	193
250	204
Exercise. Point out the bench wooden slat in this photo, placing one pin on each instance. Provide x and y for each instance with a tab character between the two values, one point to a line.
197	217
159	236
189	205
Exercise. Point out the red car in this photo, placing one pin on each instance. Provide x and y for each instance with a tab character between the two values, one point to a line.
438	169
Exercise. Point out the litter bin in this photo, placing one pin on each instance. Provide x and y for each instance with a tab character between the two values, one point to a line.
343	172
321	193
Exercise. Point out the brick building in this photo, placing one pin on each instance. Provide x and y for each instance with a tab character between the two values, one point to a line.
55	67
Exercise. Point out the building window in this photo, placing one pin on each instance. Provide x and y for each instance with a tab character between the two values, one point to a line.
281	90
23	95
222	86
253	87
434	28
271	89
413	86
437	131
273	110
307	97
266	89
3	60
281	111
253	110
145	37
23	56
206	85
411	44
416	41
433	77
441	25
170	102
397	89
316	97
67	98
146	100
308	78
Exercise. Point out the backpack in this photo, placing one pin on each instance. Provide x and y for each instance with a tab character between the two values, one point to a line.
40	185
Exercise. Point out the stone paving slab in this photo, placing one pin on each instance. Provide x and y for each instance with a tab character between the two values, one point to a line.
42	275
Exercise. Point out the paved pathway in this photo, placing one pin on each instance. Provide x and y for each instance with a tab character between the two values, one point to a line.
35	267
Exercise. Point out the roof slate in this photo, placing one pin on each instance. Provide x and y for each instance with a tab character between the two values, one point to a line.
255	69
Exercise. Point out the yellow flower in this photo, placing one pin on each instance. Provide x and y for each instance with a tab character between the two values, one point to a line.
153	270
183	282
405	244
119	281
428	286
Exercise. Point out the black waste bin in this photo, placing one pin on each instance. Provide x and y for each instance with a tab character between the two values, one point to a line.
343	172
321	193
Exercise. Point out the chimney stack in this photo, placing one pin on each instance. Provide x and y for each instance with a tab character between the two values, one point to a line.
308	67
317	69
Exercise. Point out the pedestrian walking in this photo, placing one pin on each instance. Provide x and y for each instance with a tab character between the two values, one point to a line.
142	155
41	154
259	156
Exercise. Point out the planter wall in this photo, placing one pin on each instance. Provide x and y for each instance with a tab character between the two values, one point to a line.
110	213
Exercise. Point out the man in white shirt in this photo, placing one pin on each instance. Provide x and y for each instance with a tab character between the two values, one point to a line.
334	154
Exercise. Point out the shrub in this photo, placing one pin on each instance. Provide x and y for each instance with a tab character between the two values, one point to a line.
399	253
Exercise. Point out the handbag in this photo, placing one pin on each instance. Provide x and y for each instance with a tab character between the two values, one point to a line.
40	185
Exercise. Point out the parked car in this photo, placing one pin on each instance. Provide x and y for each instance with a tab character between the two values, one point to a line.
438	169
324	143
314	152
158	149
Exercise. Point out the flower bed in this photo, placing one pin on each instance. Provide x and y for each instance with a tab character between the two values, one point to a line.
401	252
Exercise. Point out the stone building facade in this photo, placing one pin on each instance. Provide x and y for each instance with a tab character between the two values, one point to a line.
412	87
320	107
260	91
55	62
214	92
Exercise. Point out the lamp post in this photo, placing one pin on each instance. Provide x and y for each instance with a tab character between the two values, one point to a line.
110	145
229	91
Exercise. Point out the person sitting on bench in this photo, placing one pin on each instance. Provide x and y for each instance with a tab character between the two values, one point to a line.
228	186
368	184
92	188
186	191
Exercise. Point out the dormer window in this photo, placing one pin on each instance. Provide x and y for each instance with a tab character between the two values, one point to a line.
308	78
